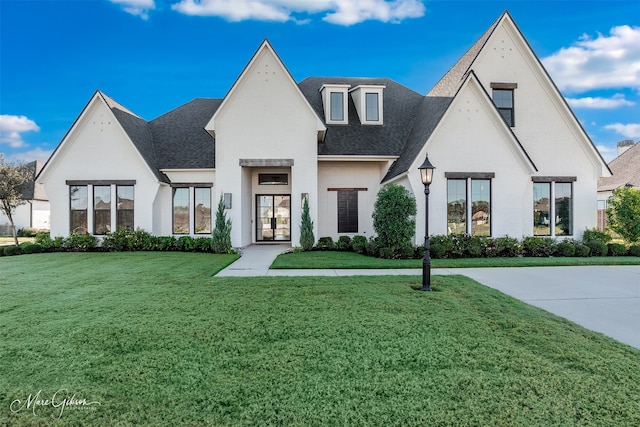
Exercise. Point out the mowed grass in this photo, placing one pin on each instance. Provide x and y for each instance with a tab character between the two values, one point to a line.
156	340
352	260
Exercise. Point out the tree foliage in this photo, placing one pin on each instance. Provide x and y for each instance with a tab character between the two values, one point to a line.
221	239
623	215
13	181
307	239
394	221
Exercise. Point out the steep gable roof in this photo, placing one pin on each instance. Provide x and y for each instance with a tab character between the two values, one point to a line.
179	137
33	189
626	170
400	105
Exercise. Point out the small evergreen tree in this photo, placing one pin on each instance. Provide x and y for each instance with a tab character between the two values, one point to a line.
307	239
394	221
623	215
221	239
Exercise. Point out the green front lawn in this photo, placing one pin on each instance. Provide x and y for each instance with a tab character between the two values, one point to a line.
351	260
156	340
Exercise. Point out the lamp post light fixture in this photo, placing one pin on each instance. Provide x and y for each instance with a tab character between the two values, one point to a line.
426	174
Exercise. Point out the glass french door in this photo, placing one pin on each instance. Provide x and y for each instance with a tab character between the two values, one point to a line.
273	217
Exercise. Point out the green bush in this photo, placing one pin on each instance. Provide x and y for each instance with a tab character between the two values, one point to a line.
359	244
616	249
634	250
373	249
343	243
42	236
582	250
31	248
623	215
565	249
27	232
221	237
534	246
597	235
418	253
126	239
394	221
506	247
597	247
80	242
325	244
440	246
307	239
12	250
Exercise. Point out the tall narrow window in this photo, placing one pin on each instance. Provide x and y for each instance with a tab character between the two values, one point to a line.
124	206
337	106
78	197
101	209
202	210
372	113
457	206
347	211
481	207
503	99
542	209
564	208
180	210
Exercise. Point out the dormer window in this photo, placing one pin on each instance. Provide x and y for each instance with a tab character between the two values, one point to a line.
334	101
368	102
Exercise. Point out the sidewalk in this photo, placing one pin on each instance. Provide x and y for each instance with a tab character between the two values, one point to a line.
605	299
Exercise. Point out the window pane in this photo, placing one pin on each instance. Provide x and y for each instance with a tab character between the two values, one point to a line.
541	208
181	210
125	204
102	209
78	194
372	107
480	207
79	222
202	210
564	209
503	99
337	106
457	206
347	211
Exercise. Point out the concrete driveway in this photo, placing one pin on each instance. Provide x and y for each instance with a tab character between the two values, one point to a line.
605	299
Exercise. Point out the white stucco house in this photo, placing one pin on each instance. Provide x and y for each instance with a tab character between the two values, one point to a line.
35	212
510	156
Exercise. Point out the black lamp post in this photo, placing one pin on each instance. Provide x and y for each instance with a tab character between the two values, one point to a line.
426	174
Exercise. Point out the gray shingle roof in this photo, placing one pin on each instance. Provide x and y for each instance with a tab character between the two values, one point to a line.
33	190
626	170
399	108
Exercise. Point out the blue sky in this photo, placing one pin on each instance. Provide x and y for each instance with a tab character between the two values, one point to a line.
154	55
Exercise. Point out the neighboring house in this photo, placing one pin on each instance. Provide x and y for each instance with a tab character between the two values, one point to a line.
511	158
34	213
626	172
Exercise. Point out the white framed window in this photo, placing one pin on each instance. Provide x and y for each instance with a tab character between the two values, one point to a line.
368	100
335	103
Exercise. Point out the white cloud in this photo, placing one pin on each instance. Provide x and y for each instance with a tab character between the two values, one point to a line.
607	61
340	12
631	130
608	153
29	156
12	128
139	8
616	101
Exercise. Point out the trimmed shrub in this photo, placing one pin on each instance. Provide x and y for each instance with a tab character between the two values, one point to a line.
12	250
418	253
359	244
79	242
582	250
31	248
616	249
27	232
325	244
597	235
42	236
440	246
565	249
634	250
343	243
394	221
598	248
373	249
506	247
535	246
307	239
221	237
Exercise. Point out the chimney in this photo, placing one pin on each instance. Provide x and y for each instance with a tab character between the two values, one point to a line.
624	145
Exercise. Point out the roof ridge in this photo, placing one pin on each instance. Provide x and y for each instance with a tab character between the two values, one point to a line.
113	104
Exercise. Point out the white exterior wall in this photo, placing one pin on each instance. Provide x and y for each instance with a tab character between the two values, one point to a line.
264	117
364	174
33	214
472	138
97	148
543	123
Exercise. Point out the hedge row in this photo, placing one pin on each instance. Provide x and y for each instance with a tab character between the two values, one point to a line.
465	246
121	240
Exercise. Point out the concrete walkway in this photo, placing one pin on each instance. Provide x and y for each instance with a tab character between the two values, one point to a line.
604	299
